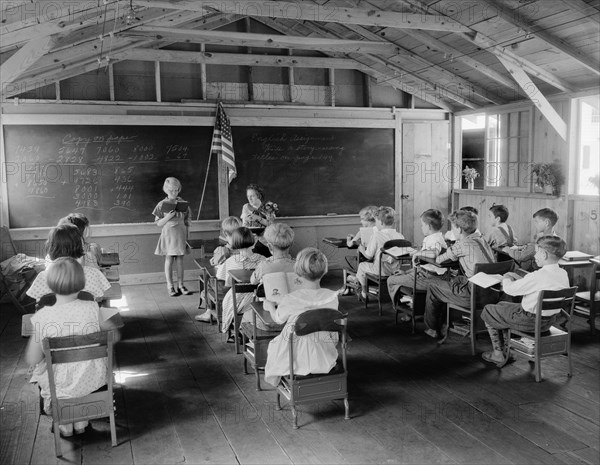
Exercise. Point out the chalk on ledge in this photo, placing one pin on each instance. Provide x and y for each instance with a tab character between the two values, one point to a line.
331	214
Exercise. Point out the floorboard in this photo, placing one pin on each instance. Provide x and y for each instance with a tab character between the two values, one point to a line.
182	397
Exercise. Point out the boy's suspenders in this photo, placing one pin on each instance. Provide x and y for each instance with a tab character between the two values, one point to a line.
486	254
510	240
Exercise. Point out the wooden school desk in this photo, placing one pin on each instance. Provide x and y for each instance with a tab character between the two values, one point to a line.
109	259
570	265
208	273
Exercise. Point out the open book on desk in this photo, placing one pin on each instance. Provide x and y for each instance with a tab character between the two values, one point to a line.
279	284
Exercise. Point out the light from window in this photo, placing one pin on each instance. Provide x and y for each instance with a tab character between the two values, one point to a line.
588	166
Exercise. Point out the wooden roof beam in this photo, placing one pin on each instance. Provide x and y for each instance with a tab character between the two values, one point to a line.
260	40
309	11
534	70
513	17
25	57
239	59
538	99
587	10
480	40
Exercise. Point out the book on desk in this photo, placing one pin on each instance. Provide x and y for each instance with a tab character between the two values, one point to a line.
576	255
109	259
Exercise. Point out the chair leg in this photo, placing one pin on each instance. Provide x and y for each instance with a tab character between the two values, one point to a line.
57	439
278	402
113	429
379	300
473	336
245	366
413	322
538	369
258	388
570	364
346	409
295	416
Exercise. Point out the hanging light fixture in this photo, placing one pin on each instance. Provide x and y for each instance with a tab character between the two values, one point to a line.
130	16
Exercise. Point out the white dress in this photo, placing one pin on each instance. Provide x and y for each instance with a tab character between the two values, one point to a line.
244	260
72	379
313	353
95	283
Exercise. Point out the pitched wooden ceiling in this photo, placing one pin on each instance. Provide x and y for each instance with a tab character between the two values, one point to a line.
463	54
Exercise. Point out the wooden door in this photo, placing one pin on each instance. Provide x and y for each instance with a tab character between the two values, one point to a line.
426	174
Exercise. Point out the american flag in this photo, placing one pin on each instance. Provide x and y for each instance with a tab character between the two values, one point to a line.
222	142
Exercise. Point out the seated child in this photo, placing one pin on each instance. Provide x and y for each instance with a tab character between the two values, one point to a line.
223	252
65	241
242	240
501	234
502	316
433	245
449	236
68	316
469	249
279	238
543	223
367	220
92	251
384	222
313	353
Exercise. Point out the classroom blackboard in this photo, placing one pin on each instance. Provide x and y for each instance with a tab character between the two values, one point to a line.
314	171
110	173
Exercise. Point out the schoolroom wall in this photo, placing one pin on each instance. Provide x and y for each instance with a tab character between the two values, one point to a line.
579	222
136	242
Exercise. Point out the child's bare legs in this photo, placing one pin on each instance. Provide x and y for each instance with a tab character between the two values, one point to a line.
179	265
169	270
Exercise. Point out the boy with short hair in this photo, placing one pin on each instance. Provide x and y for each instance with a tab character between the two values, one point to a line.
449	236
500	317
469	249
384	222
544	221
501	234
433	245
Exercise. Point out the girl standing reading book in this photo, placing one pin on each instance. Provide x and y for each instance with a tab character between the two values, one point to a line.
173	216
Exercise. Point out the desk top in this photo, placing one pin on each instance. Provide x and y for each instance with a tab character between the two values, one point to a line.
262	314
446	264
204	264
574	263
241	276
338	243
114	292
109	259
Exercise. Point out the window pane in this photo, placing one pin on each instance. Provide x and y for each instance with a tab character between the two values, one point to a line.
493	126
514	124
503	126
491	154
492	175
524	124
588	167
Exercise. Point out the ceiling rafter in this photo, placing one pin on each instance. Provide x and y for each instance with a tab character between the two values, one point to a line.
587	10
25	58
260	40
394	64
41	78
480	40
531	28
381	76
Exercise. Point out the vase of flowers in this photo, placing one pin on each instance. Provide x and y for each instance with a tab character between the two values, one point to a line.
548	177
268	210
470	174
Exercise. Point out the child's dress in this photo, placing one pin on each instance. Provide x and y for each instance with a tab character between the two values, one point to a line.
95	283
72	379
313	353
244	260
173	237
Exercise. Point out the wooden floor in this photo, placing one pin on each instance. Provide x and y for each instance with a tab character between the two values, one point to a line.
183	397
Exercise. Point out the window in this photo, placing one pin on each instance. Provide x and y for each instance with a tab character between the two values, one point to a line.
587	169
507	149
497	145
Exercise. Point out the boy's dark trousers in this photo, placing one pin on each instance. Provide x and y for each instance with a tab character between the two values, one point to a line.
441	292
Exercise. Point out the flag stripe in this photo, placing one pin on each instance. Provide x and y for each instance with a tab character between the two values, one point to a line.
222	142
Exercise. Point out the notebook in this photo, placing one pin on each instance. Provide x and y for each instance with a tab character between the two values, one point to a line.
485	280
398	252
575	255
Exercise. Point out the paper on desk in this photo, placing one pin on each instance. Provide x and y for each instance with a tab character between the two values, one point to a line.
400	251
485	280
434	269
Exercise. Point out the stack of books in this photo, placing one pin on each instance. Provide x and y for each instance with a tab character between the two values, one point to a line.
524	344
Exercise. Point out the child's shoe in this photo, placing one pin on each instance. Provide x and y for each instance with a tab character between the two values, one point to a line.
66	431
431	333
80	426
206	317
173	292
184	291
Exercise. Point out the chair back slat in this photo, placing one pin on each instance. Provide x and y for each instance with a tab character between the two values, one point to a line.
396	243
79	354
80	340
557	300
321	319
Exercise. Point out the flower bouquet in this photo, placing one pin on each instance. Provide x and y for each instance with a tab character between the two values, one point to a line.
470	174
268	211
548	176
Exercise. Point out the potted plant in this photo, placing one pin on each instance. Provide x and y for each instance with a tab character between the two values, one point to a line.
470	174
548	177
